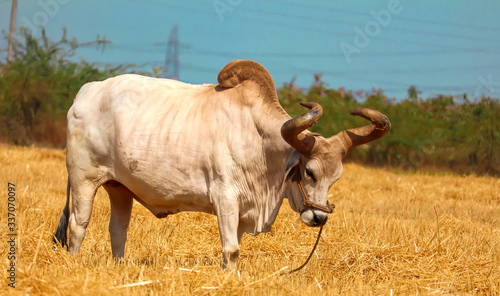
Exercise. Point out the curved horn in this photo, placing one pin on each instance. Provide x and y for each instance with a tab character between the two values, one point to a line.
361	135
291	130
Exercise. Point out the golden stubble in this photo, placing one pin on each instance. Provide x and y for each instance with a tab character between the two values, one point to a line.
390	234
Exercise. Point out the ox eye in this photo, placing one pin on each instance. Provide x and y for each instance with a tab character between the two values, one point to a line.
311	175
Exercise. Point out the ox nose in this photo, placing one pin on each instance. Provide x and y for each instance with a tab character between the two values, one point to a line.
314	217
319	219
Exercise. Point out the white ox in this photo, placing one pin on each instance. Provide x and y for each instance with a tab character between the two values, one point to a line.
228	149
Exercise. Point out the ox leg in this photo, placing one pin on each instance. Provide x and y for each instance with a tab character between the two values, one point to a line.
121	200
82	201
228	219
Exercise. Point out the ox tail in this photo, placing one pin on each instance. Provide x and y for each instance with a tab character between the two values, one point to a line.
61	233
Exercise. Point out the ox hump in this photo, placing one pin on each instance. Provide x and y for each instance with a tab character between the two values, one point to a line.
239	71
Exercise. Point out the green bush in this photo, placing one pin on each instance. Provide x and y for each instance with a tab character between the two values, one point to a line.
38	86
437	133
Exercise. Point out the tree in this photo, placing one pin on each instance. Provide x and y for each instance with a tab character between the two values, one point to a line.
41	81
413	92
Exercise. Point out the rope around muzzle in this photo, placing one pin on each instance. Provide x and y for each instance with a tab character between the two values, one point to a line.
309	204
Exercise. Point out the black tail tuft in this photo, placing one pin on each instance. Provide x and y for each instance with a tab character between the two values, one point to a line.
61	233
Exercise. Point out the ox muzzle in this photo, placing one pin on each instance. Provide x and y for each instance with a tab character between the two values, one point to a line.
318	218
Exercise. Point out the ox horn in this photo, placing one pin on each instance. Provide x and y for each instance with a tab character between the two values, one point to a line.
292	129
361	135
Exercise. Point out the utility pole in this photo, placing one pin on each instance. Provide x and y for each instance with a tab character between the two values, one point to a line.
172	58
11	30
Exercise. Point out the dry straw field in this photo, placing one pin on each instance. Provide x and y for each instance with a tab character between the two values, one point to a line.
391	234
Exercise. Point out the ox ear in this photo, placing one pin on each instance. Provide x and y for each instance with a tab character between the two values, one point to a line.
292	166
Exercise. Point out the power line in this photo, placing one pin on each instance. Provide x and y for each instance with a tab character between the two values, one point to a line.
336	33
197	51
212	52
363	72
359	73
335	21
409	19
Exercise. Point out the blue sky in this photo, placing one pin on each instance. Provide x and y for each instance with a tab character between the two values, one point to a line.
449	47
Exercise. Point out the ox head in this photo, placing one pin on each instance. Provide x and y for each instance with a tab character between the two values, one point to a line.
316	163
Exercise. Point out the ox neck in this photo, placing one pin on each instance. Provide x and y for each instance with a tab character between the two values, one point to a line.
277	152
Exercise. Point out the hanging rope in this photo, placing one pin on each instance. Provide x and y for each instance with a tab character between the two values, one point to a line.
310	255
308	204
